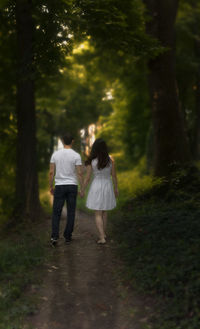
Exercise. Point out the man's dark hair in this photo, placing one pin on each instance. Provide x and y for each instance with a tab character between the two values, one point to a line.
67	139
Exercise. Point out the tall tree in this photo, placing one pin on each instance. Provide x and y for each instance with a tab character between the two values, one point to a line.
188	68
170	140
26	171
196	35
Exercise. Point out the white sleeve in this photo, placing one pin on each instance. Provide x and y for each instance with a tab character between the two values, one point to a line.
52	160
78	161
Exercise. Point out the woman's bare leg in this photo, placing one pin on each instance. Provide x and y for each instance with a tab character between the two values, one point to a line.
104	215
99	224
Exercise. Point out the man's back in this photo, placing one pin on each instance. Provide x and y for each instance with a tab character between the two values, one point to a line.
65	161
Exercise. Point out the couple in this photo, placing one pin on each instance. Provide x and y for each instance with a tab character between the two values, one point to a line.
66	166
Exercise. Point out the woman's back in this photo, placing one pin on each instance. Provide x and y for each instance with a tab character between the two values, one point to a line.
101	173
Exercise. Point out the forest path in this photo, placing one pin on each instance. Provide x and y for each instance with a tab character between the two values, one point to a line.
81	290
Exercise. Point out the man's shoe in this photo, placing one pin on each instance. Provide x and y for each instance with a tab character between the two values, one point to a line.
53	242
68	241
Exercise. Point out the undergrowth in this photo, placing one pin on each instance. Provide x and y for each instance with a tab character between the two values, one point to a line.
18	260
22	251
157	233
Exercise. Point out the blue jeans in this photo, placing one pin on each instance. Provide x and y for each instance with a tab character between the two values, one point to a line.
62	193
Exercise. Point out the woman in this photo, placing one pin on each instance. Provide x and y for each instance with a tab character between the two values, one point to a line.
101	196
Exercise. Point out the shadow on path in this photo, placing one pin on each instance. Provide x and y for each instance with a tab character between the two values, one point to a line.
80	290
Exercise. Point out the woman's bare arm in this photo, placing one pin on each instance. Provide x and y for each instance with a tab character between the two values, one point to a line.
114	178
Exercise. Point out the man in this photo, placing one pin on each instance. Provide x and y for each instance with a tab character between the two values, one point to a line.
66	166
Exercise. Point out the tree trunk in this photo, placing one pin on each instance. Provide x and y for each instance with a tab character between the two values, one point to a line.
196	143
171	148
26	174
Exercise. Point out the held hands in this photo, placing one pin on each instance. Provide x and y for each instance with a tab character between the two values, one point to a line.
81	193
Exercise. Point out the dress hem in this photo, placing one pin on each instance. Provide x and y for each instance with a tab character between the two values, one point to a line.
101	209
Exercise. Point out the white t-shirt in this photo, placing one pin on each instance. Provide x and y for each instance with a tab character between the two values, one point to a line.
65	161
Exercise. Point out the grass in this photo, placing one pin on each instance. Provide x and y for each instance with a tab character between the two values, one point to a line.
22	251
157	230
19	258
132	184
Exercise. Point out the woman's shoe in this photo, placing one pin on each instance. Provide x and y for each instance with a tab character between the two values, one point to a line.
101	241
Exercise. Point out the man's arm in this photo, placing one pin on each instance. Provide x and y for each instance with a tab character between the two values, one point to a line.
79	172
51	177
87	177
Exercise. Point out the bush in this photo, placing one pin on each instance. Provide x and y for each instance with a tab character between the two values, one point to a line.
18	259
158	238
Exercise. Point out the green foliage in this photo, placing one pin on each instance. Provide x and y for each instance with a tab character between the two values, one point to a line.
188	62
157	233
45	197
3	3
7	112
116	27
127	127
134	182
18	258
7	177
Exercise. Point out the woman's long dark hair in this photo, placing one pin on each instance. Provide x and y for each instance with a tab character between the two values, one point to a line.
99	151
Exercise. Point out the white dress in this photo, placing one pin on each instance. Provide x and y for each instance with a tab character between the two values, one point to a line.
101	194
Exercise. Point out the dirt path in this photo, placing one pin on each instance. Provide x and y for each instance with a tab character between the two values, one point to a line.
80	289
